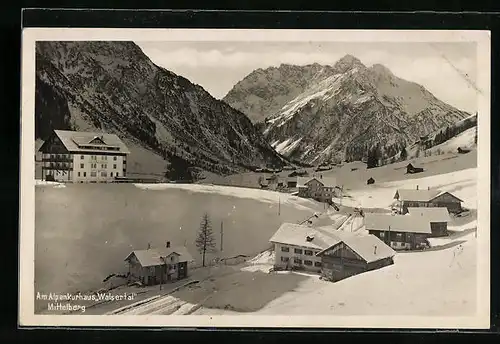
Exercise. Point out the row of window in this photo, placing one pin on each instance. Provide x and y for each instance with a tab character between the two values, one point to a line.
94	157
398	235
297	251
300	262
103	174
95	166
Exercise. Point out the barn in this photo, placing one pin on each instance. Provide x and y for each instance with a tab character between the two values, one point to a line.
353	254
427	198
437	217
412	169
370	181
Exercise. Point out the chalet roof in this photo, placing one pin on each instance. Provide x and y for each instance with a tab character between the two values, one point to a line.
367	246
75	140
152	256
296	235
433	214
325	181
398	223
416	195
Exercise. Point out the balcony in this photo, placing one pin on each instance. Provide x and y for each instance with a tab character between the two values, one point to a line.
58	165
58	159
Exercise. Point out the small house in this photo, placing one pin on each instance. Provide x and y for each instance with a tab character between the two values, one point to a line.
292	183
158	265
427	198
403	232
370	181
412	169
437	217
354	253
463	150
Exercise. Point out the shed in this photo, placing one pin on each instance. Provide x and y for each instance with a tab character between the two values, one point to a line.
463	150
370	181
412	169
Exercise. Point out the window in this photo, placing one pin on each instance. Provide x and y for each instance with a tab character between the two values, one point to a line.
78	174
111	174
52	156
93	174
382	234
317	264
105	157
114	158
297	250
308	262
81	165
116	174
285	249
84	174
82	157
94	165
114	166
104	165
308	252
297	261
171	259
104	174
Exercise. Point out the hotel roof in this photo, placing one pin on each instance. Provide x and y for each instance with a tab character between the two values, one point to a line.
90	142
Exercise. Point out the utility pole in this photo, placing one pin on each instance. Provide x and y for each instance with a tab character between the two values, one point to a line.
279	205
389	234
221	234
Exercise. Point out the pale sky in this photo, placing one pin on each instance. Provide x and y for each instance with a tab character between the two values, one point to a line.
448	70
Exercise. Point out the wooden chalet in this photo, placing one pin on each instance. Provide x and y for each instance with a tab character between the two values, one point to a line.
403	232
332	253
463	150
353	254
437	217
158	265
427	198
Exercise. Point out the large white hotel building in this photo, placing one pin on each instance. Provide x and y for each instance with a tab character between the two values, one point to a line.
83	157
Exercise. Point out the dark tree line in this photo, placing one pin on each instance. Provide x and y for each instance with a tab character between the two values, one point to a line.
454	130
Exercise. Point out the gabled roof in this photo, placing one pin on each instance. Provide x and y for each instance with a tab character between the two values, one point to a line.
78	141
325	181
416	195
397	223
444	193
153	256
367	246
296	235
433	214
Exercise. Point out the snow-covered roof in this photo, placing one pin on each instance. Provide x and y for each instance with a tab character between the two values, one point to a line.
153	256
80	141
432	214
420	195
326	181
296	235
397	223
367	246
416	195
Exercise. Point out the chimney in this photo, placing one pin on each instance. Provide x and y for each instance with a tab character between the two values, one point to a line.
168	244
375	249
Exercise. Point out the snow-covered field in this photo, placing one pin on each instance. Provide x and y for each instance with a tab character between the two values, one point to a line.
248	193
462	183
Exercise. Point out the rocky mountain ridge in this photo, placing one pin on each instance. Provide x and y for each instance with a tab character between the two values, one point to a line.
114	87
340	112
